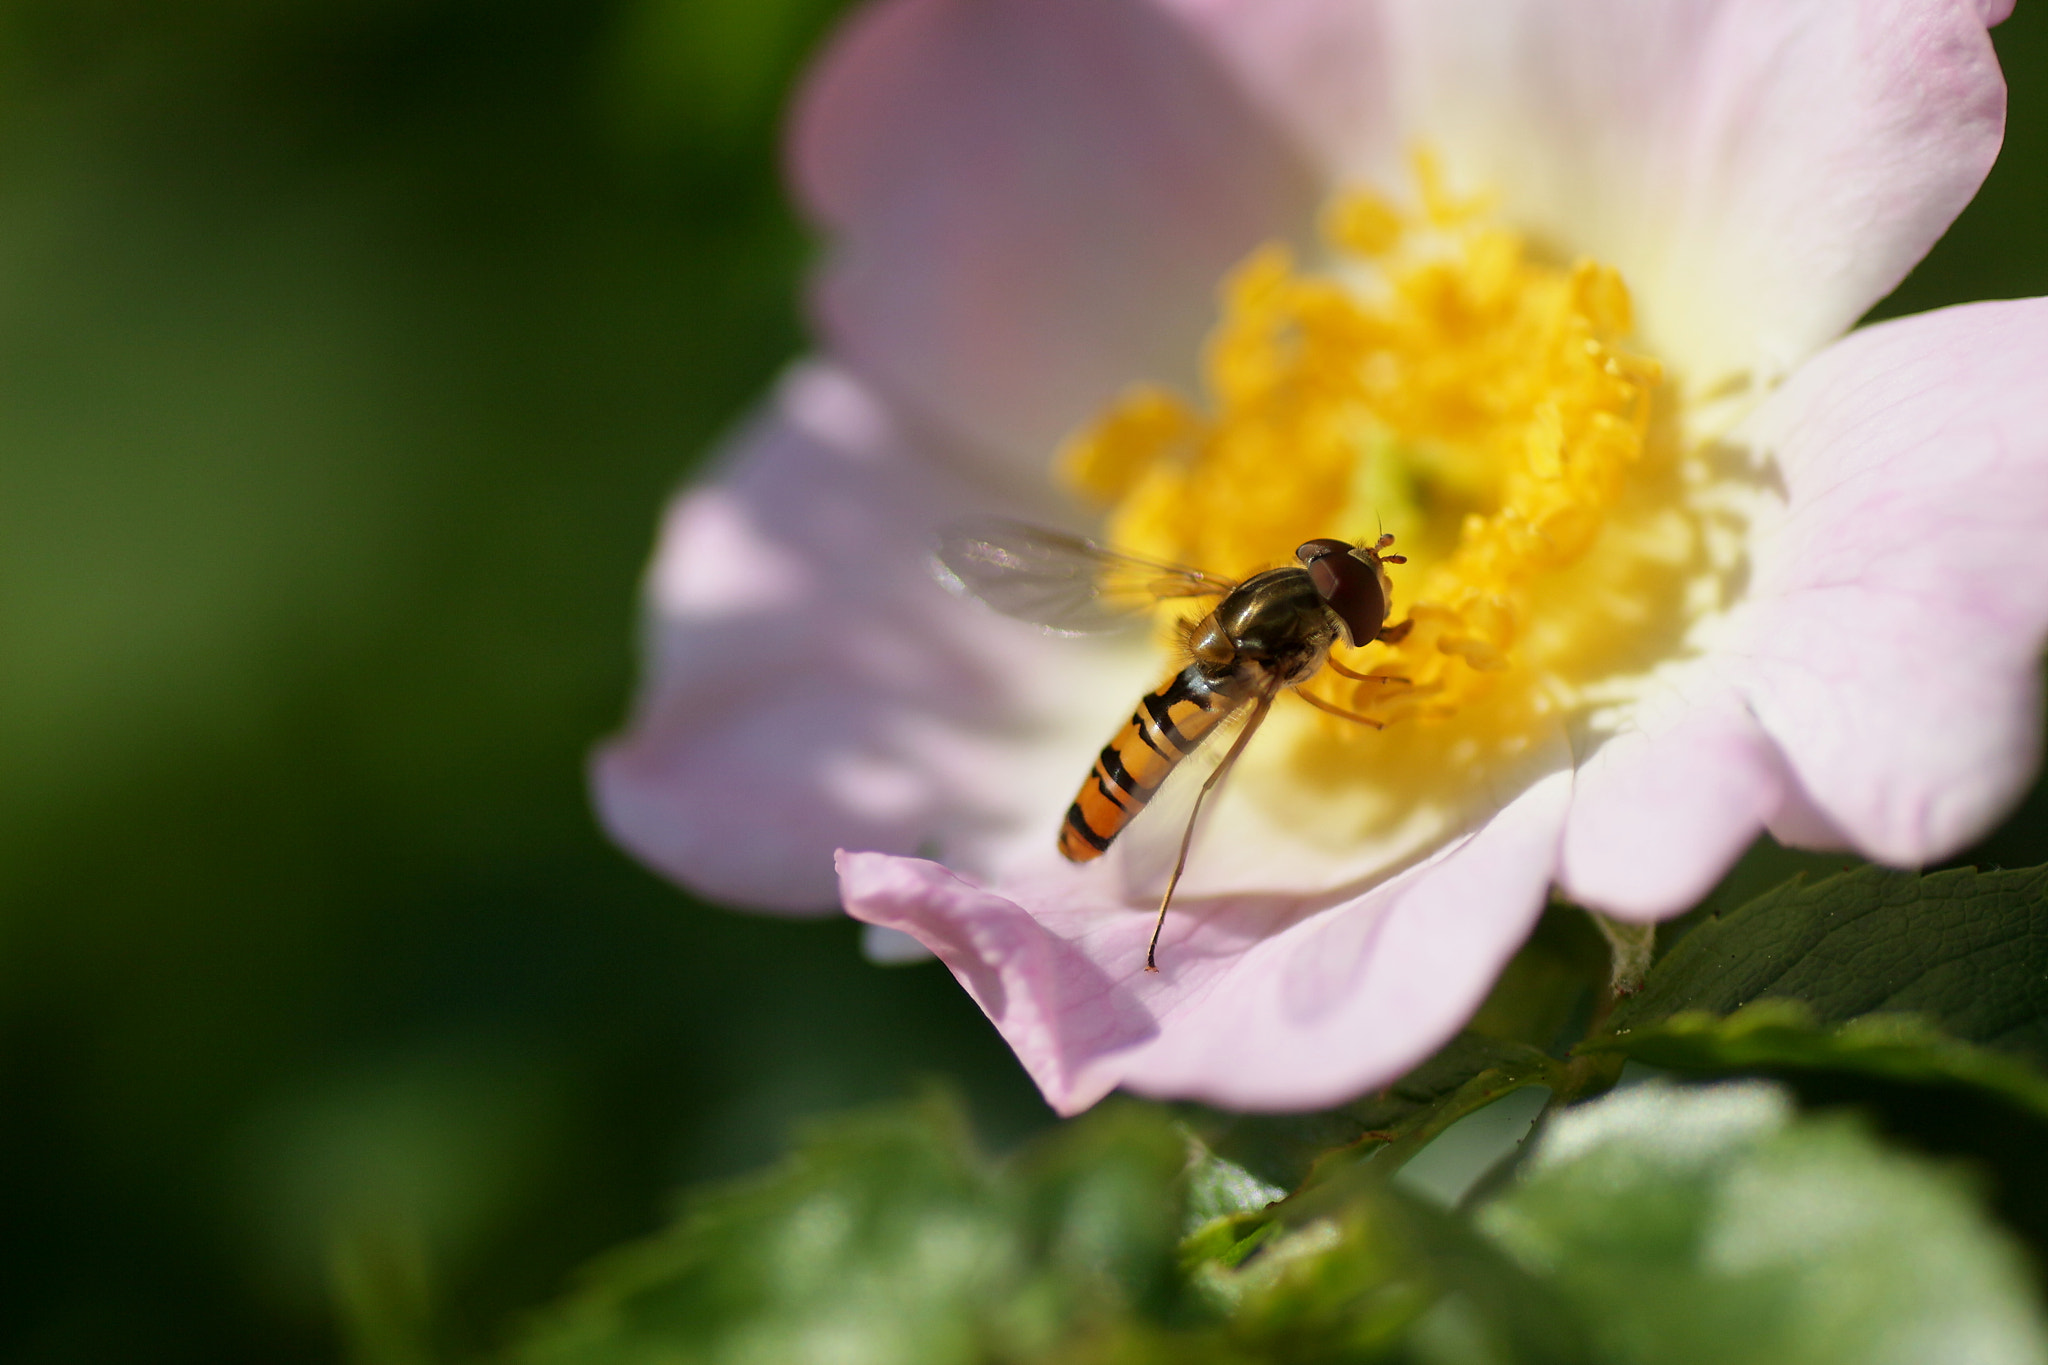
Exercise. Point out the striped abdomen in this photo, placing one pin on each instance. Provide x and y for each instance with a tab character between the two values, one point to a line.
1169	724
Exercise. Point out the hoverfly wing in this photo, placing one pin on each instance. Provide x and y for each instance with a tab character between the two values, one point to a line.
1146	852
1059	581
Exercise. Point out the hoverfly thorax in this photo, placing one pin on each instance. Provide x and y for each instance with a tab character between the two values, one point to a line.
1210	643
1278	625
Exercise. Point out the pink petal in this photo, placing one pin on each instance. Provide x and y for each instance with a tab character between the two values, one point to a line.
1664	808
811	686
1031	203
1318	69
1761	171
1893	647
1260	1003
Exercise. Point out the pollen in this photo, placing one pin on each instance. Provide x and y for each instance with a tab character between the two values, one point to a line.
1430	374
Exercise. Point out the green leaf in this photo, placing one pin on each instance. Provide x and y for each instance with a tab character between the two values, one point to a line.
1549	989
1220	1188
1223	1211
1945	978
1662	1226
888	1238
1783	1034
1353	1267
1711	1225
1360	1270
1966	950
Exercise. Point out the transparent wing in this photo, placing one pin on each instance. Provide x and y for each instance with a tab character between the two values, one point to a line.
1147	851
1062	582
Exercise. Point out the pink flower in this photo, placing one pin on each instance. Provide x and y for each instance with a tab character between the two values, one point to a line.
1687	563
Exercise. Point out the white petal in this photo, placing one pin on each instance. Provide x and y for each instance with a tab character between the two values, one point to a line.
1761	171
1893	647
811	686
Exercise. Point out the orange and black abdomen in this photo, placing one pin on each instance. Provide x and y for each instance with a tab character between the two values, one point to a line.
1169	724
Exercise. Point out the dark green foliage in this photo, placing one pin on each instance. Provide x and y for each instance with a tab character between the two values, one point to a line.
1778	1034
1653	1227
1965	950
1942	978
888	1237
348	350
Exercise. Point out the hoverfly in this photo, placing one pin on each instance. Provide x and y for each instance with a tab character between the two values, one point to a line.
1267	634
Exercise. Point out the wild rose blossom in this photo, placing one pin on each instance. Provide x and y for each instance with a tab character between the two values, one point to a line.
1554	291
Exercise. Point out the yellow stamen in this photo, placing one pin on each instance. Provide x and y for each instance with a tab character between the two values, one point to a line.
1438	379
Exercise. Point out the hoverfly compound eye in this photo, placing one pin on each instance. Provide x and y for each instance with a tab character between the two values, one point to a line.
1350	580
1311	550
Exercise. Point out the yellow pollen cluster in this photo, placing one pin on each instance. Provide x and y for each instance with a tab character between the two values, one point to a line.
1434	379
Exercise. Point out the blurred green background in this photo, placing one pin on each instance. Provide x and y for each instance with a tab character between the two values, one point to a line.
347	351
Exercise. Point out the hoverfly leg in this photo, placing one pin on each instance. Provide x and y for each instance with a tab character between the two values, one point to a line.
1251	726
1355	676
1336	710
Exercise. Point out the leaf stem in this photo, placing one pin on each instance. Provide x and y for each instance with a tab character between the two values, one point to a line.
1633	946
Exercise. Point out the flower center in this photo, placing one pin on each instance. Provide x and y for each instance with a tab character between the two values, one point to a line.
1438	379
